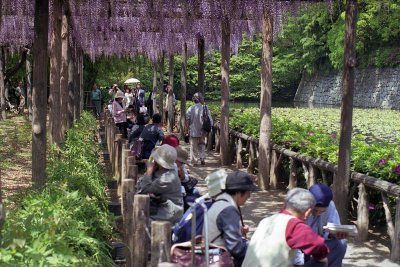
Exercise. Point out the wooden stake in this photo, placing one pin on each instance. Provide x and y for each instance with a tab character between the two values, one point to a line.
160	242
128	193
362	213
141	211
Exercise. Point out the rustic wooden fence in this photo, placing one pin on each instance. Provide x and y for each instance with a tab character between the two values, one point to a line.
139	236
244	151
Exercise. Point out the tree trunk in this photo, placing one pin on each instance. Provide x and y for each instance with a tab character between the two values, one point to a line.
77	94
154	89
28	69
2	86
160	101
39	95
225	58
183	91
170	98
55	116
64	71
200	65
341	183
80	82
264	147
71	86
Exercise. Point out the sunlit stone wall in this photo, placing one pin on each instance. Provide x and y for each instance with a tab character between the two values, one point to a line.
375	88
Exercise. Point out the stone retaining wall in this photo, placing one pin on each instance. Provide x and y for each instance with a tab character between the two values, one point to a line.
374	88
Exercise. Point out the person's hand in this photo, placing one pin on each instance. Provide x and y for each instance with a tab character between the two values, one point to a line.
324	261
339	235
245	230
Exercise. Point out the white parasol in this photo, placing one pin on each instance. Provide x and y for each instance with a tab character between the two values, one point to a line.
132	80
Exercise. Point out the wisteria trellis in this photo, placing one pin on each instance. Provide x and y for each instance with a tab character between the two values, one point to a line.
150	27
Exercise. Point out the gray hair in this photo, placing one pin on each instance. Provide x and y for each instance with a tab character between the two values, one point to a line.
299	200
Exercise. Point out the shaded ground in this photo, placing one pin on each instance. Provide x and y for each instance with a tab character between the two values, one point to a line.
15	155
374	252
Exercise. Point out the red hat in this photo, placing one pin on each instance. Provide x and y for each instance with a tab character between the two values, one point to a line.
171	140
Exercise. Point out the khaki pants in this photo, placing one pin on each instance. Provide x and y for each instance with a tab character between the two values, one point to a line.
197	149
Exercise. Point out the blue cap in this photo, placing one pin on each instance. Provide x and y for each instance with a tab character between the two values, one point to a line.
322	194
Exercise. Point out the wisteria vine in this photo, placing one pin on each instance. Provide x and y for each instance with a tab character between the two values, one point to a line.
149	27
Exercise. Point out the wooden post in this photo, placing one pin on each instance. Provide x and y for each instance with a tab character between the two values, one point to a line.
312	175
232	148
124	163
217	144
273	176
55	116
64	69
116	154
132	172
239	147
141	210
265	145
395	251
225	91
182	121
341	193
160	242
251	167
362	213
200	64
39	92
324	176
128	193
293	173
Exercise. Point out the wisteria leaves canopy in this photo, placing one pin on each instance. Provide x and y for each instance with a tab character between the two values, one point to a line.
150	27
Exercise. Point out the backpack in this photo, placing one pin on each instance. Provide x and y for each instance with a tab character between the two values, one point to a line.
182	231
206	120
137	148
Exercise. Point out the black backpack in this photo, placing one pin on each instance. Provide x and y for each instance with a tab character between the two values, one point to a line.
206	120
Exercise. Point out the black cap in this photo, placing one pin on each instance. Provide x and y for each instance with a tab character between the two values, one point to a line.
239	180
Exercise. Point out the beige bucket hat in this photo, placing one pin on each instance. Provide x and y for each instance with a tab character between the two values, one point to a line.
165	156
182	155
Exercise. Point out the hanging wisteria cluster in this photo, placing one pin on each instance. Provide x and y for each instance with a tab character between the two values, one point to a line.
150	27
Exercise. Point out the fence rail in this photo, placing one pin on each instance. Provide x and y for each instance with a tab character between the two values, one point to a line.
244	148
244	153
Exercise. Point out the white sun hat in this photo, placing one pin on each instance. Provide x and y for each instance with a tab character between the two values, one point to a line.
216	182
165	156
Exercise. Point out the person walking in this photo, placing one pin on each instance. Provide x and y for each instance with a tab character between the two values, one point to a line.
194	127
95	96
19	94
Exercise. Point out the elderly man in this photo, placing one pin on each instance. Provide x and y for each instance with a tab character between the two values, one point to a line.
323	213
194	126
277	237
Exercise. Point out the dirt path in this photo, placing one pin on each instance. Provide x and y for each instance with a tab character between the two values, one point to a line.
15	156
374	252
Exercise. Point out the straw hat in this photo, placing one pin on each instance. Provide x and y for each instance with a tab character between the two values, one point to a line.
216	182
119	94
182	155
165	156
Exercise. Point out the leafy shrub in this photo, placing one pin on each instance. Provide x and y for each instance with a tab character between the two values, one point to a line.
67	223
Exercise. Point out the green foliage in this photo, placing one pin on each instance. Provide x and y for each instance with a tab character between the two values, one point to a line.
67	223
313	132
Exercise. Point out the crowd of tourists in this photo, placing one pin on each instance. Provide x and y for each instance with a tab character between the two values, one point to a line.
294	236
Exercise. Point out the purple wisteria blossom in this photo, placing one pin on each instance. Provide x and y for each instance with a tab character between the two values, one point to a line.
397	169
382	162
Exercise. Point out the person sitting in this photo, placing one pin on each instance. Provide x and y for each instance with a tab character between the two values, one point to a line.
225	222
162	183
323	213
151	135
171	140
190	193
277	237
137	129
